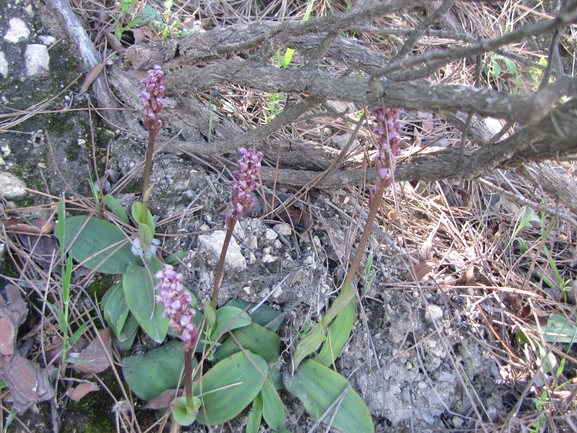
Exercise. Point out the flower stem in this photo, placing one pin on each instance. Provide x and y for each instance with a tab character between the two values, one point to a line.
220	268
148	164
188	375
364	238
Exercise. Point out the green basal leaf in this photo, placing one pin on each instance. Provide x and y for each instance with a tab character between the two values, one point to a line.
138	284
116	208
210	315
97	244
229	318
129	329
229	387
154	372
254	338
145	222
318	387
273	410
313	340
559	330
309	344
265	316
254	416
338	334
183	413
114	308
124	341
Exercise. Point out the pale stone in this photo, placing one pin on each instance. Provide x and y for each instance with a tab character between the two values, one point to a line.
213	243
283	229
17	31
36	58
11	187
268	258
47	39
270	234
433	313
3	65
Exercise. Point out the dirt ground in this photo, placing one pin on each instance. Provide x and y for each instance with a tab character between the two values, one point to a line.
434	345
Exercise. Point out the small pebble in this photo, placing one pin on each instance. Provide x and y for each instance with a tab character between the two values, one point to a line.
433	313
270	234
283	229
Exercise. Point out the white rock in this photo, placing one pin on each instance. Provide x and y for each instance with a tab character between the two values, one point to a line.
433	313
11	187
36	58
270	234
47	39
253	243
213	243
3	65
17	31
283	229
268	258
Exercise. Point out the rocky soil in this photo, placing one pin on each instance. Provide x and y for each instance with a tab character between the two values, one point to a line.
416	356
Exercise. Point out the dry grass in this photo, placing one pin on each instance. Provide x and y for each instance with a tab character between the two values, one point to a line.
466	240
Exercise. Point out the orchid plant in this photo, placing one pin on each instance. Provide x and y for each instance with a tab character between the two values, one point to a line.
230	355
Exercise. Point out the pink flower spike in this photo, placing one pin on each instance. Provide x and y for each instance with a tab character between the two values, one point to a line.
176	302
245	184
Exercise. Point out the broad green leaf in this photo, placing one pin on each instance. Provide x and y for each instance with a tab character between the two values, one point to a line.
138	284
511	65
254	416
154	372
114	308
254	338
97	244
116	208
229	318
309	344
229	387
265	316
183	413
338	334
273	410
559	330
318	387
124	341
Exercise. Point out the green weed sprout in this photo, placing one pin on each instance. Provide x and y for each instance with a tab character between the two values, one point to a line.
120	27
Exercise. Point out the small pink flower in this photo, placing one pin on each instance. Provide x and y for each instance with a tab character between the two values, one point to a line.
387	133
176	302
151	98
245	184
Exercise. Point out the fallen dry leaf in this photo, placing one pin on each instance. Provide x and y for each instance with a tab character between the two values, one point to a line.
28	383
96	355
420	270
76	393
163	400
13	311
